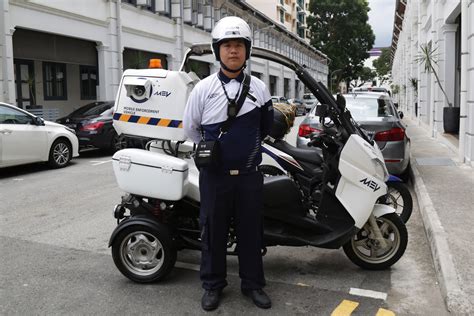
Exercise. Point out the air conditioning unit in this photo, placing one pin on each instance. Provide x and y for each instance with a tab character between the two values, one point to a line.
143	3
162	6
187	11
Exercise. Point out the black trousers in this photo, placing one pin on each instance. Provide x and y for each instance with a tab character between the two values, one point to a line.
222	197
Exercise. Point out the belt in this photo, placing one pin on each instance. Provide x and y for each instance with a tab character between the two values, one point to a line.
238	172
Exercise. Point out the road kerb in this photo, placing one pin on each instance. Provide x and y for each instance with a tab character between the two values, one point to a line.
454	297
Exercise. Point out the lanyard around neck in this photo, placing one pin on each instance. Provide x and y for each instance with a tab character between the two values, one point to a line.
225	91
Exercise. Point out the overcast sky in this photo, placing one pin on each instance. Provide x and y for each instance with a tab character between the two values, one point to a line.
381	19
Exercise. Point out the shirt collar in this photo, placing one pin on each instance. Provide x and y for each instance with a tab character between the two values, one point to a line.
225	79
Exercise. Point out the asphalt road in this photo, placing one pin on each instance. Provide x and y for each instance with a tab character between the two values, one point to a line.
54	232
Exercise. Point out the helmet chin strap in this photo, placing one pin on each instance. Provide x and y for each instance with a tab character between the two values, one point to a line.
233	70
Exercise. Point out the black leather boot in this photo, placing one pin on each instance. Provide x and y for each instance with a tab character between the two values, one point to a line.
210	299
259	297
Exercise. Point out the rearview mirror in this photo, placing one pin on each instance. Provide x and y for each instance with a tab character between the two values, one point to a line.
400	113
341	101
322	110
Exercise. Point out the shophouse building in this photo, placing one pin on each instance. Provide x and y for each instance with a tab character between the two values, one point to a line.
290	14
448	26
59	55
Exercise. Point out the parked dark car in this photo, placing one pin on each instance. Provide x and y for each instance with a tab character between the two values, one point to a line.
93	125
376	113
300	107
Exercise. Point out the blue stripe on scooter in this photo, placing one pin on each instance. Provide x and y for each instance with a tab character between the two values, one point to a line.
392	178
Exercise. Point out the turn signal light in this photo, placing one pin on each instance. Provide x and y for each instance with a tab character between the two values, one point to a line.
395	134
92	126
306	130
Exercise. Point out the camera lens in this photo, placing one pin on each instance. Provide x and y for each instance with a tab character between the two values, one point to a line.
139	91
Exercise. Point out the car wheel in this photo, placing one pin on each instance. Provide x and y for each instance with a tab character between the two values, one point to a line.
119	142
60	153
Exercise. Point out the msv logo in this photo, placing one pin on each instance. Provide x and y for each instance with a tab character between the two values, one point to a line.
370	183
163	93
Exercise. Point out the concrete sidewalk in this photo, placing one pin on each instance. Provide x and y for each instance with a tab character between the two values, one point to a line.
445	192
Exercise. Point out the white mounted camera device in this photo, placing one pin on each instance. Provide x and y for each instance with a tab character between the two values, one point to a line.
138	89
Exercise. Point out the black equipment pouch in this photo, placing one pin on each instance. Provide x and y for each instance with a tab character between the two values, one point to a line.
208	152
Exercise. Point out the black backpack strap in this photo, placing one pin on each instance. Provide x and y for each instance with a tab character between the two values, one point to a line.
240	102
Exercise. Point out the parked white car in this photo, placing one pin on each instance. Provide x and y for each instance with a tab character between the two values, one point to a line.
309	101
26	138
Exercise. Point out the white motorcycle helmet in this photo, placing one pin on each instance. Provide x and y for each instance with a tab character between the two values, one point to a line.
231	27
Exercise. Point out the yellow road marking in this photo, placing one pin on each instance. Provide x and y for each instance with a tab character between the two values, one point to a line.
384	312
345	308
302	284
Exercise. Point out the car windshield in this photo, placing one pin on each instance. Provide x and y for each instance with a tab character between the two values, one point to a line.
308	97
96	108
363	109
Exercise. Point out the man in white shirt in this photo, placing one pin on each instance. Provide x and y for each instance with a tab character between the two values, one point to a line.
233	188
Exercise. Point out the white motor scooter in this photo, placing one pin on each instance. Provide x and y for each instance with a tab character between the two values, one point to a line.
159	215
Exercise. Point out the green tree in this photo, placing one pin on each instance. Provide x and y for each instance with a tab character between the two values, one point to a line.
340	29
382	64
366	74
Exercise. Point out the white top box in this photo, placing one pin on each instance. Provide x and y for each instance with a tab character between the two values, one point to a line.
150	103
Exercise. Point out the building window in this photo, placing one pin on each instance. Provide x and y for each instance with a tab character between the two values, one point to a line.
88	78
282	16
54	81
273	85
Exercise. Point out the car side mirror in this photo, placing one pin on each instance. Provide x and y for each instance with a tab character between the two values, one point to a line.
38	121
341	101
400	113
322	110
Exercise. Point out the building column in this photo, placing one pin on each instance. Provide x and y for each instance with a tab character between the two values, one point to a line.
110	61
109	72
7	74
281	82
266	74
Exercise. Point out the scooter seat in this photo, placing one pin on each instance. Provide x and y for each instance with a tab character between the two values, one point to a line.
310	155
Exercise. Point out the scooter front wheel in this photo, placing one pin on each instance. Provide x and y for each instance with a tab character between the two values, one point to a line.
367	252
399	197
143	254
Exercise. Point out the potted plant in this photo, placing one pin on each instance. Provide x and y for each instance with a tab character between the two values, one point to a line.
428	59
395	90
414	85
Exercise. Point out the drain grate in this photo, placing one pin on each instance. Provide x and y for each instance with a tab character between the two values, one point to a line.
435	161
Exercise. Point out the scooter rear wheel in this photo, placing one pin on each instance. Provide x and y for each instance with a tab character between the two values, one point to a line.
366	252
143	254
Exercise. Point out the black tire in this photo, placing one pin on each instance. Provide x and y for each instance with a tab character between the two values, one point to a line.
143	254
118	142
269	170
60	153
399	197
359	249
405	176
